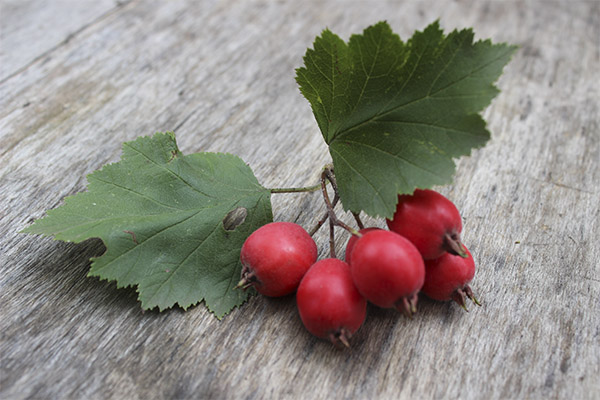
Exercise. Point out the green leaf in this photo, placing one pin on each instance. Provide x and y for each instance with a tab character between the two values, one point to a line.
395	114
166	220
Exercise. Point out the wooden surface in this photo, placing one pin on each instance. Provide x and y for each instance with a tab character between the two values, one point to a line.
78	78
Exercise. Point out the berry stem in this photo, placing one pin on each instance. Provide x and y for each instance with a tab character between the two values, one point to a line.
320	222
331	239
327	175
358	220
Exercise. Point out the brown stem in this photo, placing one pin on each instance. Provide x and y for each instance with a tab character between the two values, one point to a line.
327	175
358	220
331	239
330	212
320	222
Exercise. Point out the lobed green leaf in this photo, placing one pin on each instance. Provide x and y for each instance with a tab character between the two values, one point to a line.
160	215
396	114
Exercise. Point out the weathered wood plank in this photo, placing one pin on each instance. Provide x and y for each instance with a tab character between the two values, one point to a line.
36	28
221	75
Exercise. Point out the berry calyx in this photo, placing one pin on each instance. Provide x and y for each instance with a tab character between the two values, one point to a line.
329	304
275	257
448	277
388	270
430	221
352	241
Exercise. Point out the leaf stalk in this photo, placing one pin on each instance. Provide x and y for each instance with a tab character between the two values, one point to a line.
313	188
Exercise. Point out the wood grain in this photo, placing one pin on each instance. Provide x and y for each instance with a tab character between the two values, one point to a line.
221	75
36	29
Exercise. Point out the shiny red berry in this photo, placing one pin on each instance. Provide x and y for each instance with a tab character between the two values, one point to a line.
448	277
430	221
275	257
352	241
388	270
329	304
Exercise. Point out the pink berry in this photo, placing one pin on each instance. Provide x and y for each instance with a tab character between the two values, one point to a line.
352	241
275	257
329	304
388	270
448	277
430	221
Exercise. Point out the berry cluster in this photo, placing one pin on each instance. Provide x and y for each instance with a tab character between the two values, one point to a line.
421	252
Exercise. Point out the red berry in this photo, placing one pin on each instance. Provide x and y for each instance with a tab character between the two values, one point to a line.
275	257
448	277
329	304
430	221
352	241
388	270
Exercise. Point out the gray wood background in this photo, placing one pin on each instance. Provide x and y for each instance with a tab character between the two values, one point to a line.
78	78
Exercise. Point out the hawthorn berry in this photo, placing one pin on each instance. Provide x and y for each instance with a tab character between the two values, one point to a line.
430	221
329	304
352	242
275	257
448	277
388	270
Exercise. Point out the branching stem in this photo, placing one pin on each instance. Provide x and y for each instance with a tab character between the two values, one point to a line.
320	222
327	175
